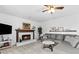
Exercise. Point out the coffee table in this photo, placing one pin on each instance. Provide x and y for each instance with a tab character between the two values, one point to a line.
48	44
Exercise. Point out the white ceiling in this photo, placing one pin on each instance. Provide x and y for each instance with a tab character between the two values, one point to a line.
34	12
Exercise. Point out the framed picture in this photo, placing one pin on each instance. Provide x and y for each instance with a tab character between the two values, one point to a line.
26	25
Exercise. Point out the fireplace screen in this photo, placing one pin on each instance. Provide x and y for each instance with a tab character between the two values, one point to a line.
26	37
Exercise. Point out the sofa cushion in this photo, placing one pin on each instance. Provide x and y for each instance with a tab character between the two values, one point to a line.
68	39
74	42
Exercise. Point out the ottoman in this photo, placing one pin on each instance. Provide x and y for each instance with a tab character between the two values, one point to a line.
48	44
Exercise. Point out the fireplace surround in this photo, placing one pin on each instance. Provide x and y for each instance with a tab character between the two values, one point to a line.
25	36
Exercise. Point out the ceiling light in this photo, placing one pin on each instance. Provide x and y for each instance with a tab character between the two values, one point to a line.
52	10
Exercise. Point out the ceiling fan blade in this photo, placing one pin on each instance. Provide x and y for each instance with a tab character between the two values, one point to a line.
50	6
44	10
46	5
59	7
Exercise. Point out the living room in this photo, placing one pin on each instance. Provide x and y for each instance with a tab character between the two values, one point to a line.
16	15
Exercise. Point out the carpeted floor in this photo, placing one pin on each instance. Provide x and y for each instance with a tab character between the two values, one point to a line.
36	48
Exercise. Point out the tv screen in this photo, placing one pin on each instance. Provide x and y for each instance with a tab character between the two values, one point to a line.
5	29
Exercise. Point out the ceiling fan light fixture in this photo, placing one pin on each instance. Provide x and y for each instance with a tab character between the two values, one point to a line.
53	10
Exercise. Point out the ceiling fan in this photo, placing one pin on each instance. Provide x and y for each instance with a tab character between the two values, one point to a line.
52	8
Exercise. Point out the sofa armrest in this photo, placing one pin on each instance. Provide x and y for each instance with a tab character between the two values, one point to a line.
76	46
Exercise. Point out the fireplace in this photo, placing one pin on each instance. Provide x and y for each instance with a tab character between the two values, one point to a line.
26	37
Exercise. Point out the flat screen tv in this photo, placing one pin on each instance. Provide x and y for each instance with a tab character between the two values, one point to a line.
5	29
